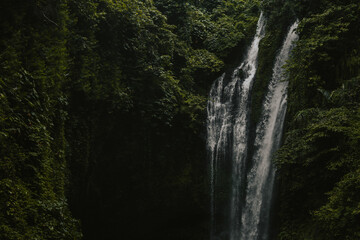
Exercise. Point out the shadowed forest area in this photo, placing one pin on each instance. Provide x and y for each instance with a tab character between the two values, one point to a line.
103	115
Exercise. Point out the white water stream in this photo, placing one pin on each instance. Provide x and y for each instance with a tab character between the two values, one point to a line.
228	138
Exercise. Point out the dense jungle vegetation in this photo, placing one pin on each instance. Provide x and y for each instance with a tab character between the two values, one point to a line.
103	115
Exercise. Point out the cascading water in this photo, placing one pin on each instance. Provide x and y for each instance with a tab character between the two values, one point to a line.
240	128
255	217
228	113
228	119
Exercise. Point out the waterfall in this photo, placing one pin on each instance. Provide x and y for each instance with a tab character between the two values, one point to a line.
268	135
228	113
240	128
228	119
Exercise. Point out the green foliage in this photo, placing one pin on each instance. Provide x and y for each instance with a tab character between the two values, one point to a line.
315	165
138	79
339	217
318	166
326	56
32	147
232	21
202	59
